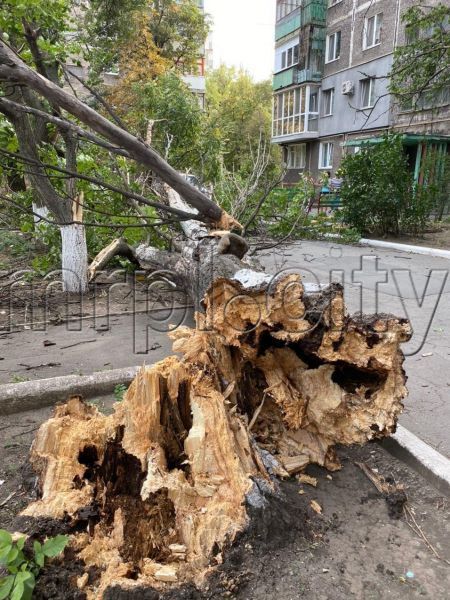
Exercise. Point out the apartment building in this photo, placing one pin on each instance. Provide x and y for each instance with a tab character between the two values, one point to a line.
332	60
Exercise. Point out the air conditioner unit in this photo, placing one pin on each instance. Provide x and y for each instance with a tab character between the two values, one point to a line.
348	88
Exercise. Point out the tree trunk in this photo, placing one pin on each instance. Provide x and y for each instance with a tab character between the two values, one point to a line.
272	378
74	258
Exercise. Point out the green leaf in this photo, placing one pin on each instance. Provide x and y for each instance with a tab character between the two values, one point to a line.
12	555
39	558
5	538
55	546
18	590
25	581
6	585
21	543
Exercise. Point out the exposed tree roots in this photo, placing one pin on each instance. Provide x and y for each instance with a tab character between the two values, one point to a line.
270	381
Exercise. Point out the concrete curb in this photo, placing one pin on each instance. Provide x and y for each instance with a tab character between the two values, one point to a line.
29	395
406	248
410	449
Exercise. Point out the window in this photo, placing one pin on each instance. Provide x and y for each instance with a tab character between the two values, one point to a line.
284	7
372	31
429	99
290	57
368	92
291	112
333	50
326	155
296	156
288	109
287	56
314	102
327	102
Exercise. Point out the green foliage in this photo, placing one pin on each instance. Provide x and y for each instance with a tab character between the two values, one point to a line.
378	193
285	209
15	244
119	392
51	17
237	129
22	571
239	113
421	67
285	215
177	116
177	28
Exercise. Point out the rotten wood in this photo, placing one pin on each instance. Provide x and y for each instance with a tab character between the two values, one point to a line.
177	465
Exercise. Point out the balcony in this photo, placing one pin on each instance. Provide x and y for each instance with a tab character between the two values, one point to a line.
293	76
285	78
304	136
196	83
308	75
288	25
314	12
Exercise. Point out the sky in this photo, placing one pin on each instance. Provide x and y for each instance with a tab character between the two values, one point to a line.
243	34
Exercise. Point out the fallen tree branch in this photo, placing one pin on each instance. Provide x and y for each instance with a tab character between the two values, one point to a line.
15	71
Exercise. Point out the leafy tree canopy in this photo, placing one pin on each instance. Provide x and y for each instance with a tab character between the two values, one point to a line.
171	32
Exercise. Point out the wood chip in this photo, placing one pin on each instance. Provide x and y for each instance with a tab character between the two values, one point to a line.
167	574
316	507
303	478
82	581
177	548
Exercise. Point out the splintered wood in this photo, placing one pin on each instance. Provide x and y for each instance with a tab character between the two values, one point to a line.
269	382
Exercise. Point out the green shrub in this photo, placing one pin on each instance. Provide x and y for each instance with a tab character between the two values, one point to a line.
379	195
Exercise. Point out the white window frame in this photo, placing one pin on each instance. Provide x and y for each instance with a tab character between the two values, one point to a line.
291	112
296	156
326	150
331	94
377	27
294	60
282	54
371	96
333	36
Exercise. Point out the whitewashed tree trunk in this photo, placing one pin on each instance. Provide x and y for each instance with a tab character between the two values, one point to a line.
74	258
40	213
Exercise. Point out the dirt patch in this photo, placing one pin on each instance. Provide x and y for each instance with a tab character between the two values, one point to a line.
434	237
353	550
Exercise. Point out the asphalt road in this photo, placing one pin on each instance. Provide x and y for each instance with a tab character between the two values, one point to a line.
404	284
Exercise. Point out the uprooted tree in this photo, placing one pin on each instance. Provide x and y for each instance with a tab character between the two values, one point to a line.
275	375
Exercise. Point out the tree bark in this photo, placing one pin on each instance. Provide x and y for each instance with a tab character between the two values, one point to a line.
74	259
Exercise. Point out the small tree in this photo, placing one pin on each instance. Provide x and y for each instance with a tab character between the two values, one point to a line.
379	194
